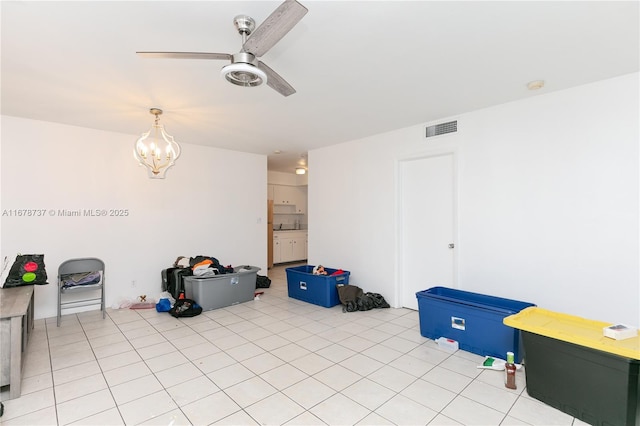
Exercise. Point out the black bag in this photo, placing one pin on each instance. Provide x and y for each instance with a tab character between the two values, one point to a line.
28	269
370	301
377	300
354	299
262	281
348	293
173	280
185	308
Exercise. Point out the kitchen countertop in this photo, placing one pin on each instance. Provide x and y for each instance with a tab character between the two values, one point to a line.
289	230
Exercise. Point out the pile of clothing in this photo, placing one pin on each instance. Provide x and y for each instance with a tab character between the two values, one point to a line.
84	278
354	299
203	266
319	270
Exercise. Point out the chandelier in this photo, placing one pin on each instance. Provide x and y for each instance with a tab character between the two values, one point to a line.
156	149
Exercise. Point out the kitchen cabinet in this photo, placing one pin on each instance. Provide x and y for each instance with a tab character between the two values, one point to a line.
289	246
277	252
295	196
284	195
300	199
298	248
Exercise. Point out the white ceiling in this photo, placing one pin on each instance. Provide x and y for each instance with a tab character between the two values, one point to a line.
359	67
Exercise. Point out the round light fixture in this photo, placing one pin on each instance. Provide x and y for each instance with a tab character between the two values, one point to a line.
243	74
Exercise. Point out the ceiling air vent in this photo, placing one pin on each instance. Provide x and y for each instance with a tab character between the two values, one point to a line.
442	128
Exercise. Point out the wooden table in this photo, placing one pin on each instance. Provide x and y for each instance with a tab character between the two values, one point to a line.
16	323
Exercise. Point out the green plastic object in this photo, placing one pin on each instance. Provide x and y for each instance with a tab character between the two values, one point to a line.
28	277
510	358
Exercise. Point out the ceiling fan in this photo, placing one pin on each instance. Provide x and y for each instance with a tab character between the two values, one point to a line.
245	69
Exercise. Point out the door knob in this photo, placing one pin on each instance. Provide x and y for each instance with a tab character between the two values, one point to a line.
451	245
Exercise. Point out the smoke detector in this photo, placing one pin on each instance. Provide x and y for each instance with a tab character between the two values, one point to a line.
535	84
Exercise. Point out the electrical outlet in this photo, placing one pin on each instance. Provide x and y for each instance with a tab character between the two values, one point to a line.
133	283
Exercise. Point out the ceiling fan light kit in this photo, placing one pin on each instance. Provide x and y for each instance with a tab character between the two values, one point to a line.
245	68
243	72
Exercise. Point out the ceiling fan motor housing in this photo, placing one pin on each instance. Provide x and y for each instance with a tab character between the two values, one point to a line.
244	71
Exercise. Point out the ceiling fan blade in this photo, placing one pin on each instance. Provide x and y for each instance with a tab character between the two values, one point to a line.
279	23
276	82
185	55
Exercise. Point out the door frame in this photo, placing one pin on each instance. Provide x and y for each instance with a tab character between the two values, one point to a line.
454	151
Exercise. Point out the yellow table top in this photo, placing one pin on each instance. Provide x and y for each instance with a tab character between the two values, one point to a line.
573	329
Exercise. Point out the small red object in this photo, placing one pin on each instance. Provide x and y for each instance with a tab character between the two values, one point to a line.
181	295
30	266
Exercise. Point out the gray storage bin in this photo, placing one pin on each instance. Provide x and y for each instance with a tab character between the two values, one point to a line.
224	289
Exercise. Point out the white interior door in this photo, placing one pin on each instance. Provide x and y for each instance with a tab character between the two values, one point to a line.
427	225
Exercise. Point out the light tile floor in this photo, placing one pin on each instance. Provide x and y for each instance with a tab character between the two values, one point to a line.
273	361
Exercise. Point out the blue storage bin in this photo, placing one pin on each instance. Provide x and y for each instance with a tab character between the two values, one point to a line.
320	290
473	319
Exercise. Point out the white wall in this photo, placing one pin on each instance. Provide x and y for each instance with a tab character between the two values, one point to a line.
212	202
548	202
281	178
